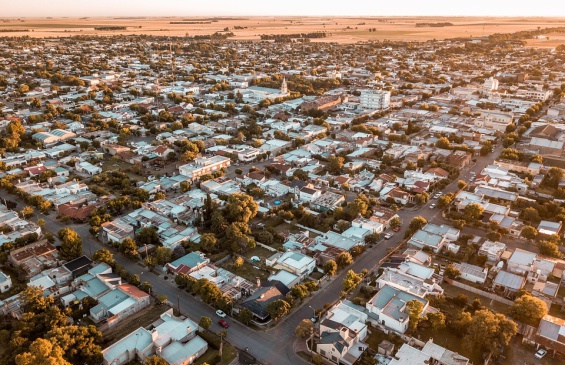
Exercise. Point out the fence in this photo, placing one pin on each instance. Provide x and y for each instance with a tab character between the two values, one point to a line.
479	291
266	247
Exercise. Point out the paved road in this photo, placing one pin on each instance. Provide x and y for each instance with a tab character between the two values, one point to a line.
274	346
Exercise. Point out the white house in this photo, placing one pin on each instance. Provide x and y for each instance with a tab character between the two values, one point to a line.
5	282
170	337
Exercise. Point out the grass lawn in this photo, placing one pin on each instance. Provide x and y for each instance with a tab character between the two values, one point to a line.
453	291
247	271
377	336
260	252
140	319
229	352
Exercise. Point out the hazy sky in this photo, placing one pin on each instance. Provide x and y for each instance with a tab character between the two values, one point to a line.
42	8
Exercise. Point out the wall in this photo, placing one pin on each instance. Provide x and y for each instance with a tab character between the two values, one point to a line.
478	291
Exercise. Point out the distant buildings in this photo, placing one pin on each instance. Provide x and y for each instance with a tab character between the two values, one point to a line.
375	99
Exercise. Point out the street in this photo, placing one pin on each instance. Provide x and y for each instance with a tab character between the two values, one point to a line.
275	345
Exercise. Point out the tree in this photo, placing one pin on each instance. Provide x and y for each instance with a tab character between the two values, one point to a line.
350	280
529	232
528	309
240	208
444	143
129	248
80	344
335	164
304	329
245	316
147	236
205	322
549	248
358	207
531	214
395	223
372	238
330	267
163	255
71	244
473	212
415	308
452	272
436	320
553	177
444	200
299	291
415	224
208	242
27	212
42	352
344	259
278	309
238	263
489	331
155	360
461	184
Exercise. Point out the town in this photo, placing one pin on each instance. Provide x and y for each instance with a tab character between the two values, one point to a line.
202	200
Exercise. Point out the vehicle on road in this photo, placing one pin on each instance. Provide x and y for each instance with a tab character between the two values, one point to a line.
388	236
220	313
432	206
314	319
540	354
223	323
396	229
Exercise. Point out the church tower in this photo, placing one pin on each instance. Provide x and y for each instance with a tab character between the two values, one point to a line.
284	87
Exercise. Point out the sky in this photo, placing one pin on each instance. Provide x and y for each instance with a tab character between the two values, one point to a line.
70	8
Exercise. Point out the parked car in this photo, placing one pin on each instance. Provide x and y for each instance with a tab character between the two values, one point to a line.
314	319
388	236
432	206
540	354
220	313
396	229
223	323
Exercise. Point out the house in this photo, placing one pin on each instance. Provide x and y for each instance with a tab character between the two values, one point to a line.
172	338
521	261
188	263
327	201
551	334
383	215
396	194
341	333
203	166
492	250
411	277
422	239
373	226
472	273
308	194
292	262
5	282
388	308
116	230
258	302
35	257
550	228
431	353
508	283
88	168
118	304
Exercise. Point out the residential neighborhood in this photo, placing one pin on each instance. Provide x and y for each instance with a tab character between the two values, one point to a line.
180	200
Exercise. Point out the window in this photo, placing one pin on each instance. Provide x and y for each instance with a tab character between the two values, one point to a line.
323	352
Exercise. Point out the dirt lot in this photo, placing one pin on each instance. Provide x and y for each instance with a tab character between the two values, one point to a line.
342	30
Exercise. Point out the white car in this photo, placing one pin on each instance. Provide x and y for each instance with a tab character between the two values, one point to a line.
220	313
540	354
388	236
432	206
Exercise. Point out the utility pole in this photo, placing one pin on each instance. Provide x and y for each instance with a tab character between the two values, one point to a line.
178	303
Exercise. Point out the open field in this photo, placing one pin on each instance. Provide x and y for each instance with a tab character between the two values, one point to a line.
341	30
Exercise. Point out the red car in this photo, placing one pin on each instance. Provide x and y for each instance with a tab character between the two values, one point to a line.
223	323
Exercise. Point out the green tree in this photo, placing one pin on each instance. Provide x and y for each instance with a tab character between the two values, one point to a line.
528	309
42	352
344	259
205	322
335	164
278	309
445	200
489	331
129	248
436	320
208	242
245	316
531	214
330	267
452	272
473	212
350	280
240	208
444	143
80	344
461	184
415	224
304	329
415	308
299	291
163	255
27	212
395	223
553	177
238	263
529	232
147	236
71	244
549	248
155	360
